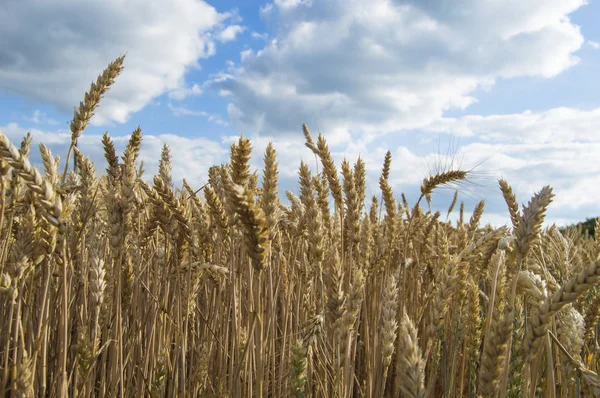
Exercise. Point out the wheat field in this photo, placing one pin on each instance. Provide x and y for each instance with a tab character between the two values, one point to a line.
112	286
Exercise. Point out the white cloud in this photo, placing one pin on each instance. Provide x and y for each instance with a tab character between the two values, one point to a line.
182	93
230	33
74	42
40	117
594	44
262	36
265	11
555	126
378	66
15	134
182	111
289	4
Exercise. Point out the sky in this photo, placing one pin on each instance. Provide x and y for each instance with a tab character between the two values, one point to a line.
506	89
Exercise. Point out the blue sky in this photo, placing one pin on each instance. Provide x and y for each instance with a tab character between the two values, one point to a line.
510	87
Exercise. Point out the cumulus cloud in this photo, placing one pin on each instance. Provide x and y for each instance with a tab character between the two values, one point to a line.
183	111
74	42
555	126
378	66
182	93
230	33
594	44
40	117
262	36
289	4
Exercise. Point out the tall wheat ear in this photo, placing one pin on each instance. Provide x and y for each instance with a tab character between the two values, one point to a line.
541	317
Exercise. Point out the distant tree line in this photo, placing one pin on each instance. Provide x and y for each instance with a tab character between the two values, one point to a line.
587	227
